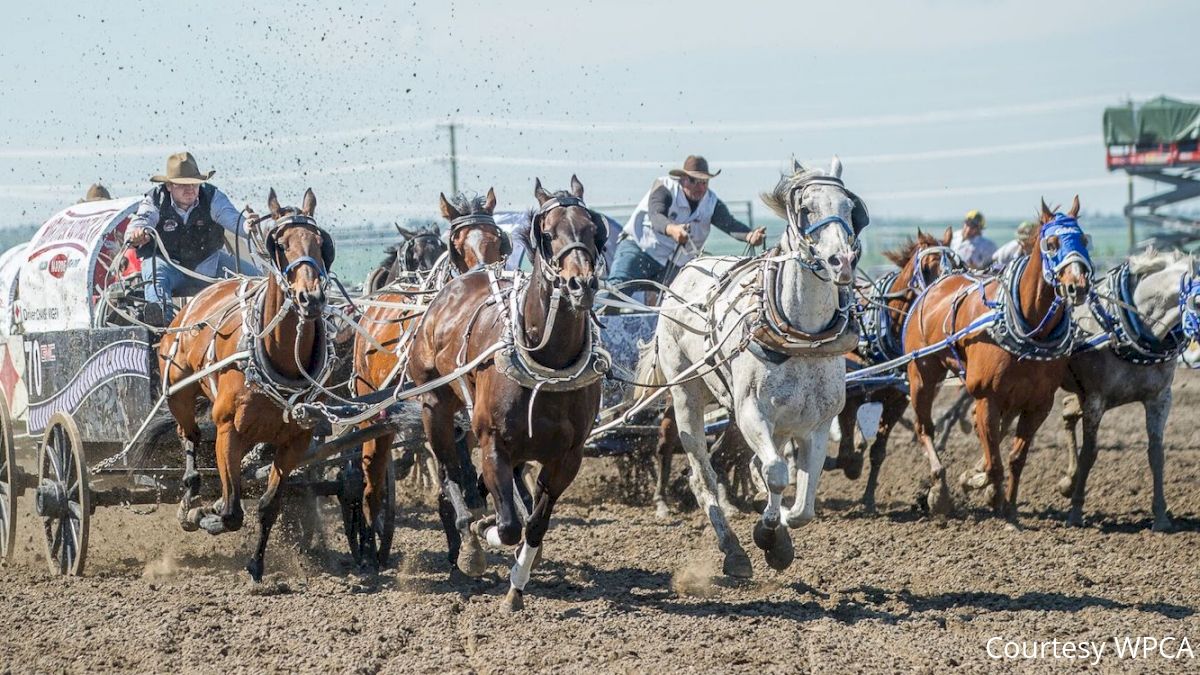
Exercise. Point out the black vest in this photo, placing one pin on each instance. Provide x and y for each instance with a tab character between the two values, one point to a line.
191	242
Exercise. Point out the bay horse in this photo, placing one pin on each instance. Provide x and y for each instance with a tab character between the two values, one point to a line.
921	261
766	338
535	393
1149	308
279	322
417	251
390	321
1014	367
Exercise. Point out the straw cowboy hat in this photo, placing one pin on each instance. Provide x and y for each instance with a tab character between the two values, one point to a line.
182	170
96	193
696	167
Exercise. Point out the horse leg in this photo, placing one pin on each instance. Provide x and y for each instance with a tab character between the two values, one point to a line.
923	382
524	502
668	441
848	459
229	517
552	481
1071	415
456	516
689	416
989	427
375	456
1091	411
1157	411
892	412
183	408
497	475
1027	426
286	459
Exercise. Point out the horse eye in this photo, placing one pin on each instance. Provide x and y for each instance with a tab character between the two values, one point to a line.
1196	302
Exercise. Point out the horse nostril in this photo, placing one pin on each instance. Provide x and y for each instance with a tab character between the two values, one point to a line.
574	285
833	260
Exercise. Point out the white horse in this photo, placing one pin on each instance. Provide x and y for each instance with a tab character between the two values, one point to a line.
1137	367
773	357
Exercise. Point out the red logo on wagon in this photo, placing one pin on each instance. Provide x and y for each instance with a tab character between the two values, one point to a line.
58	266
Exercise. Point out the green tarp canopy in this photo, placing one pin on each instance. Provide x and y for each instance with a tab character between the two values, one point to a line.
1161	120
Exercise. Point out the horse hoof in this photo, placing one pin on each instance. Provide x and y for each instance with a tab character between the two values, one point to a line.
255	568
1066	486
737	564
661	510
213	524
869	508
764	537
515	600
853	467
1075	519
939	500
183	515
470	559
782	553
973	480
1163	524
831	463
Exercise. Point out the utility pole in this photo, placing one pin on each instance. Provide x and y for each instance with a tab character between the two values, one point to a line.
453	159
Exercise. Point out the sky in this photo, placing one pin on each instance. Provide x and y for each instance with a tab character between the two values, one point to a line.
934	106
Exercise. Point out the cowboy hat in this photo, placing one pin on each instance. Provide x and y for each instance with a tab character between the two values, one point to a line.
96	193
182	170
696	167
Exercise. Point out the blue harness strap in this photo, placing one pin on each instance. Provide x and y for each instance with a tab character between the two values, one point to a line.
305	260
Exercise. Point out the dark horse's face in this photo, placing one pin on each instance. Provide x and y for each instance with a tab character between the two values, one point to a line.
418	251
1065	260
302	252
567	243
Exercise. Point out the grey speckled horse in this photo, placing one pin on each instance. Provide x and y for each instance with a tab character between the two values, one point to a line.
1103	380
782	405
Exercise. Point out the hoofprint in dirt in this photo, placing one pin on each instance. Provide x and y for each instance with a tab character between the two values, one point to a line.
625	591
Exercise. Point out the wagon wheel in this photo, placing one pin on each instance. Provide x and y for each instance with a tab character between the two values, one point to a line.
63	499
8	484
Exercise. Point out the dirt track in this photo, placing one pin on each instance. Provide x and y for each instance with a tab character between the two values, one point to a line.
620	590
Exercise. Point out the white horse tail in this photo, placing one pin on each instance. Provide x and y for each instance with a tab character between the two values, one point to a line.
648	375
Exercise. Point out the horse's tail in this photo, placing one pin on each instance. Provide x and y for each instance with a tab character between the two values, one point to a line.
648	375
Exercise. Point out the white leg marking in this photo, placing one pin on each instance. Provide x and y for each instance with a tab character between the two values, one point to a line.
524	565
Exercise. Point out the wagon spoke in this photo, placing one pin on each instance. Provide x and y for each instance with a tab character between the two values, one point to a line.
52	456
76	510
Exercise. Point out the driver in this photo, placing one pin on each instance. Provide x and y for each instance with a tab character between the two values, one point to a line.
191	218
672	222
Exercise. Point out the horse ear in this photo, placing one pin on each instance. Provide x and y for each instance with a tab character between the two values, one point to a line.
273	204
489	202
576	187
1074	207
539	192
310	203
948	235
796	168
448	210
835	167
1047	214
407	234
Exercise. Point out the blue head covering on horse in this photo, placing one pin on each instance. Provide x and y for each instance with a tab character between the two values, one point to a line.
1072	246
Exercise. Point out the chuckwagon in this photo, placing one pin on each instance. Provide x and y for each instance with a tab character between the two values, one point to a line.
79	380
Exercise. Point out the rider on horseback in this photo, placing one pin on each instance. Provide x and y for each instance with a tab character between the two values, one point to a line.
672	222
181	224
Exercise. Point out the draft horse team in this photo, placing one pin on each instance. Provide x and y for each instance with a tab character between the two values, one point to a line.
505	367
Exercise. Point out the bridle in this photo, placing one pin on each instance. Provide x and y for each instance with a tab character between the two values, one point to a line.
406	255
802	234
1072	248
283	269
541	241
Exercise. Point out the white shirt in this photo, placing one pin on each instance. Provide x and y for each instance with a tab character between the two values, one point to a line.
976	253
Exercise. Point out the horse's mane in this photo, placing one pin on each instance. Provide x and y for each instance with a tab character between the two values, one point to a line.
777	199
1152	261
468	204
902	253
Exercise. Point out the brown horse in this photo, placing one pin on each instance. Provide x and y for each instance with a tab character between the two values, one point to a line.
1013	369
922	261
286	311
475	240
536	399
